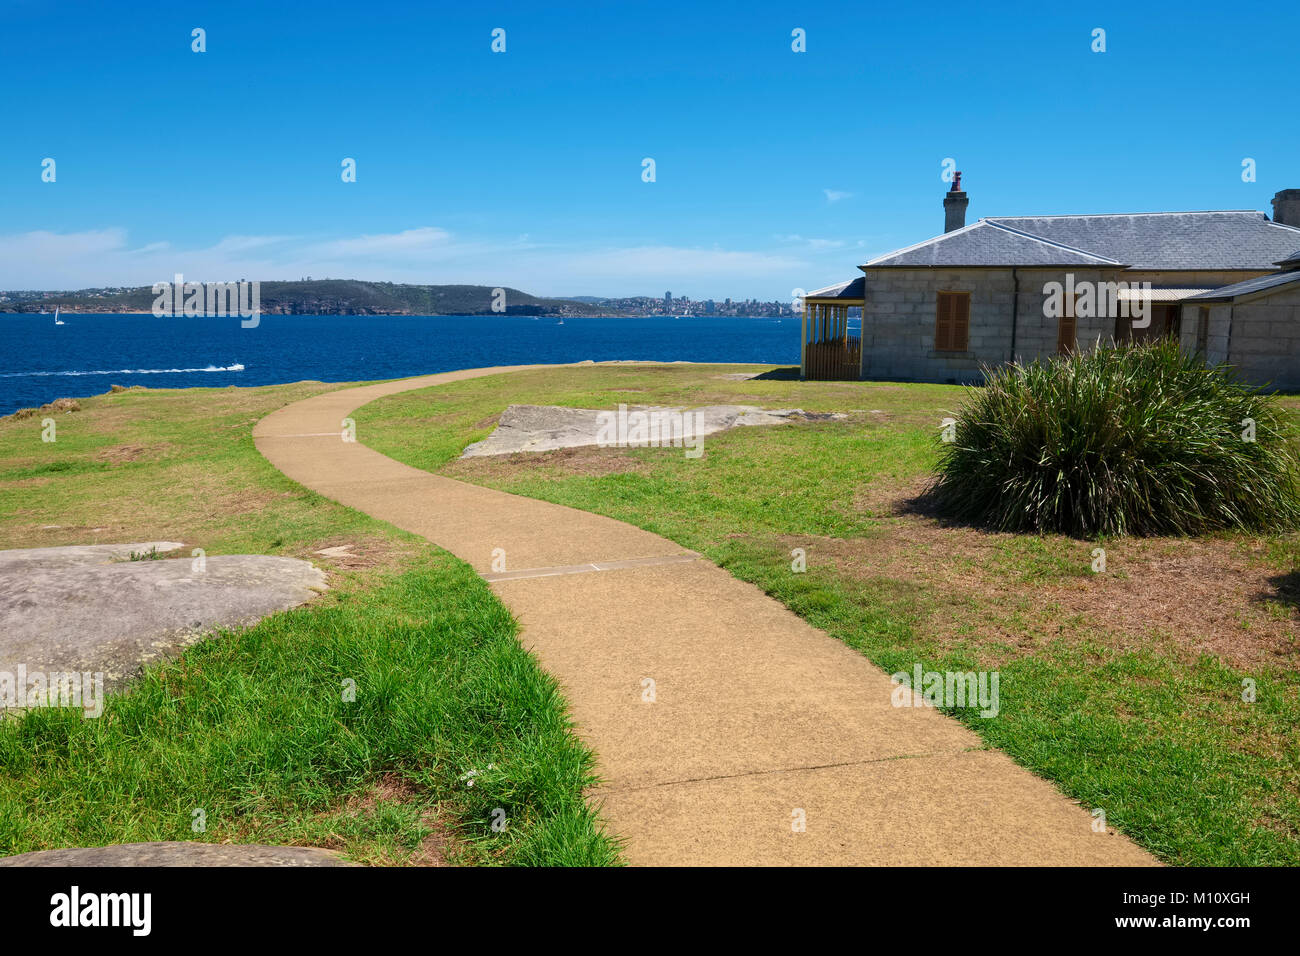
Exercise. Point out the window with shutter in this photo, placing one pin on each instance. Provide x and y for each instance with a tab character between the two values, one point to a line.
952	322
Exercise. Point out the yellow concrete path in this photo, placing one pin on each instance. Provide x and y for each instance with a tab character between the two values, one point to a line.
758	723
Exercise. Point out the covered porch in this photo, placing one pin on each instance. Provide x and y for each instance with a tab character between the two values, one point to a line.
1165	315
827	350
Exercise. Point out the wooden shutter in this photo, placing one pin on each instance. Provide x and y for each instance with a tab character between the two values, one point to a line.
943	322
1202	329
1066	327
952	322
961	321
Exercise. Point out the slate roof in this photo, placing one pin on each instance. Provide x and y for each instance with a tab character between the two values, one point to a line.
1290	262
1229	293
1237	239
987	243
843	290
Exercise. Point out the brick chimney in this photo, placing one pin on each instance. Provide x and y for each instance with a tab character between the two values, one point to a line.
955	203
1286	207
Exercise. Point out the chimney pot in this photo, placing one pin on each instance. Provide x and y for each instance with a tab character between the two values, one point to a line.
955	202
1286	207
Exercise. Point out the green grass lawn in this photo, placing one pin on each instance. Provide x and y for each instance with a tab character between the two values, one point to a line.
453	726
1124	688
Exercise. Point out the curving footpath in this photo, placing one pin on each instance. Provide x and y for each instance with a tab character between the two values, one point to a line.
758	723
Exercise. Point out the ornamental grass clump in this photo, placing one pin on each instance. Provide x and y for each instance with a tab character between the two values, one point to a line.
1139	439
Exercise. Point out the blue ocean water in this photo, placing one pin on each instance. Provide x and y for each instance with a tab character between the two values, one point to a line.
40	361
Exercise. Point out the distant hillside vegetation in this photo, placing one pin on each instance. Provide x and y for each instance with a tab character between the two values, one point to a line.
332	297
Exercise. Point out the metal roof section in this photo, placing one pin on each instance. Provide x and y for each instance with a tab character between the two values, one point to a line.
852	289
1136	294
1237	290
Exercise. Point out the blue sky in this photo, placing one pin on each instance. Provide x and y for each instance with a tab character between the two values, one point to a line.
774	169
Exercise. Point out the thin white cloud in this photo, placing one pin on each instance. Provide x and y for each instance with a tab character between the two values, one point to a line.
835	195
406	243
814	244
236	244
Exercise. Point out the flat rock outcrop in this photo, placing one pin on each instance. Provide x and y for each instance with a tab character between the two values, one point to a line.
92	609
550	427
179	853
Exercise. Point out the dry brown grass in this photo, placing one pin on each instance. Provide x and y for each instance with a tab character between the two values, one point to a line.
357	552
60	405
134	451
434	850
1215	596
561	463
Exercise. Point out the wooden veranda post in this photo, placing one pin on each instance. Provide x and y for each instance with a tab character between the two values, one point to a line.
803	344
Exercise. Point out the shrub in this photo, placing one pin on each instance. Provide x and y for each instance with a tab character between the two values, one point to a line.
1138	439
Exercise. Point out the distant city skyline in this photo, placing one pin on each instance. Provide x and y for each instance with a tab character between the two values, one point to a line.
773	169
102	298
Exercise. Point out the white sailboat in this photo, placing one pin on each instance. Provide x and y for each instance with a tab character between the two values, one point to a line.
57	320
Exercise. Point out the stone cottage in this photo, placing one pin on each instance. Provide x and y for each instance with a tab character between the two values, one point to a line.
1225	283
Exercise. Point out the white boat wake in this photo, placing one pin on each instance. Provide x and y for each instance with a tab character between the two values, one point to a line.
132	371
